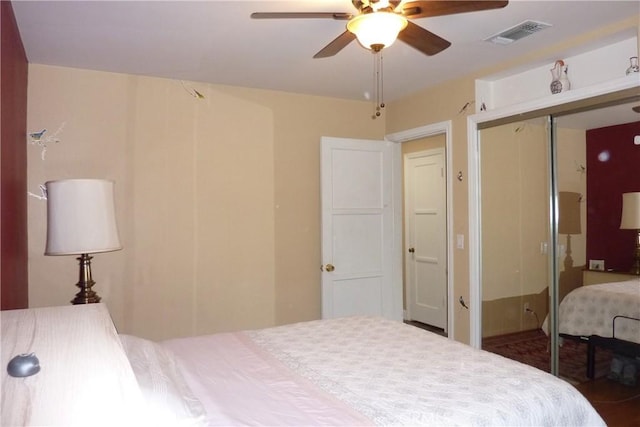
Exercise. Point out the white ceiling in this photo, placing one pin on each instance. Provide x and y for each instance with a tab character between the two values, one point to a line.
218	42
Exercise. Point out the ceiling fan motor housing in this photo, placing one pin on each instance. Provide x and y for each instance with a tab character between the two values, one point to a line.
377	30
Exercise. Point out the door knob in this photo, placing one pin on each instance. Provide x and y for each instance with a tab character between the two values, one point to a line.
329	267
411	250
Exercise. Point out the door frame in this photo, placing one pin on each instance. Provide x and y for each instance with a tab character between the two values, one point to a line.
434	129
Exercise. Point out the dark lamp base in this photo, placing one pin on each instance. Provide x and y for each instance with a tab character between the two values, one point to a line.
85	282
635	269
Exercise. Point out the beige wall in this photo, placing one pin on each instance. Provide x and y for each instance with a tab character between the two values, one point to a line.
217	198
95	112
436	105
515	209
231	181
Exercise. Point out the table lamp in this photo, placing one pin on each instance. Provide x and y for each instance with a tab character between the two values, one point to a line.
81	221
631	221
569	218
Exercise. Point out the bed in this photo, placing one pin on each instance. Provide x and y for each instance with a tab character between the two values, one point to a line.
604	315
347	371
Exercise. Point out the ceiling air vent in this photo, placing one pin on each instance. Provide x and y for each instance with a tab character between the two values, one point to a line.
517	32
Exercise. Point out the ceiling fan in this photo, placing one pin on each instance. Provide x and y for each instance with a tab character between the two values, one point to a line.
379	22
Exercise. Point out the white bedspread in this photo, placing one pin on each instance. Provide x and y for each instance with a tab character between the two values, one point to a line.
589	310
363	370
239	383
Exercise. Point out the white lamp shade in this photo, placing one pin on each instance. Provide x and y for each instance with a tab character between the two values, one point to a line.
377	28
630	211
81	217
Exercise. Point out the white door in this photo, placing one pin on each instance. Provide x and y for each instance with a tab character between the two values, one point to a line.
426	237
357	228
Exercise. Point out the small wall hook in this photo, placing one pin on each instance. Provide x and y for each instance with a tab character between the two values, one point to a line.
460	176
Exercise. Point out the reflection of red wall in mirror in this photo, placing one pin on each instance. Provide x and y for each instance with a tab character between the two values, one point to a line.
613	168
13	219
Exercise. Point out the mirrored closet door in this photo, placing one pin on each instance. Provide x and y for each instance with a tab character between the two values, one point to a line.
550	209
515	172
597	162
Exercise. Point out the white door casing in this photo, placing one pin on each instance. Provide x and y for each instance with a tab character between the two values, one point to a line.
357	229
440	128
426	237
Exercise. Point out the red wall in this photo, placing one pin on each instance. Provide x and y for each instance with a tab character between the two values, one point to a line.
14	291
613	168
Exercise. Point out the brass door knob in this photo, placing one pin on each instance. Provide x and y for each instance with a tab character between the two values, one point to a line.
329	267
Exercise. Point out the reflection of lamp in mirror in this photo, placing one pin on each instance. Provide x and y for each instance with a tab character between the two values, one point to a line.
81	221
631	221
569	219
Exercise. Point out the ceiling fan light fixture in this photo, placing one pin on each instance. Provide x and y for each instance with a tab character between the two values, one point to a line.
377	28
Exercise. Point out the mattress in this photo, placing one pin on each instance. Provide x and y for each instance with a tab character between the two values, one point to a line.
590	310
367	371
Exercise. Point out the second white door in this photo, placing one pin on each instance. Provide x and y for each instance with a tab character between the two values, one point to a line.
426	237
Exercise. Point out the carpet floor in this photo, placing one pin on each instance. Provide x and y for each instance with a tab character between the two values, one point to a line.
532	348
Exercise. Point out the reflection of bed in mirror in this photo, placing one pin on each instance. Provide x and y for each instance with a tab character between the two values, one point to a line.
605	315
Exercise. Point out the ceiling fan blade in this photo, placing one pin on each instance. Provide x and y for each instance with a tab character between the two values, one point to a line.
423	40
422	9
336	45
341	16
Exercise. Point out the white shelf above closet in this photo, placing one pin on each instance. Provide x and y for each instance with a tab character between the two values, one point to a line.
592	68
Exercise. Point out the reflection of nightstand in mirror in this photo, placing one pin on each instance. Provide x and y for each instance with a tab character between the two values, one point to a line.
593	277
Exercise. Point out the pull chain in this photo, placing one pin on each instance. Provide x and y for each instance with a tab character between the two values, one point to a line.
381	83
378	98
